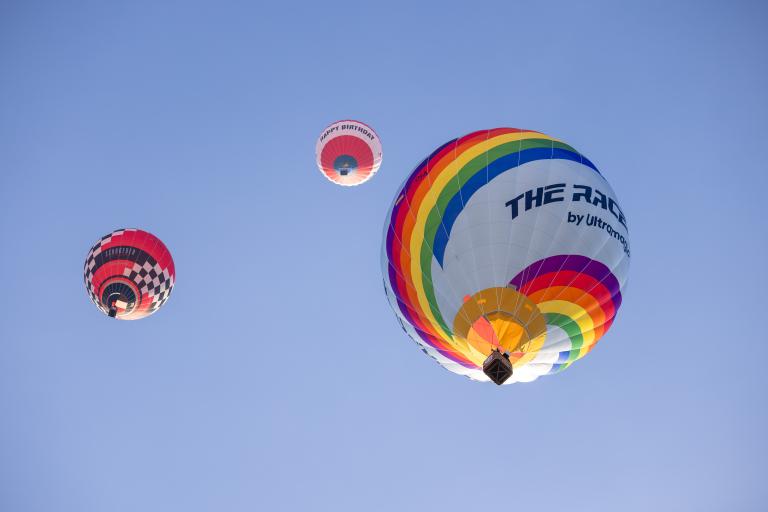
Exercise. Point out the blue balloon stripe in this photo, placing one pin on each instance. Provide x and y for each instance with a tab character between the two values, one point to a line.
496	168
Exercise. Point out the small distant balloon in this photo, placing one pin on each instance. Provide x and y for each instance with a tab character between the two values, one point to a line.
348	153
129	274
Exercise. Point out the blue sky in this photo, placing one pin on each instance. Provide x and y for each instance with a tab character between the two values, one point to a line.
276	377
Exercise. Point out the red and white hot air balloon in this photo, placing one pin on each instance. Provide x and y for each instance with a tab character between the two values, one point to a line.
348	152
129	274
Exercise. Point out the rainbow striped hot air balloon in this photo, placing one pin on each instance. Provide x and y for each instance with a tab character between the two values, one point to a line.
505	248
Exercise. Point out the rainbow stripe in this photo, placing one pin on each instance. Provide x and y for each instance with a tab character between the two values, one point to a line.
581	300
577	294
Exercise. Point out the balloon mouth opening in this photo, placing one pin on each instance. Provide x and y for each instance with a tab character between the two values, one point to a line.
497	331
345	165
118	298
495	322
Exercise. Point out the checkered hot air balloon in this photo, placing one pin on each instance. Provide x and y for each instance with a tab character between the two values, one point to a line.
129	274
505	254
348	153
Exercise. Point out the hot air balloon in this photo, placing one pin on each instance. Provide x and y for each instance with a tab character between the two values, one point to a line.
505	254
129	274
348	152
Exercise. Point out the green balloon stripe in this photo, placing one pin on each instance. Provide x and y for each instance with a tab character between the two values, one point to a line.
434	218
573	331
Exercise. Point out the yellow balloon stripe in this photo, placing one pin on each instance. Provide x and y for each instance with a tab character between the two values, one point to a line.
577	296
430	199
575	313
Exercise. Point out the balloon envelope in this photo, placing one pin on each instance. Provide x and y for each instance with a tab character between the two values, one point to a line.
505	240
129	274
348	152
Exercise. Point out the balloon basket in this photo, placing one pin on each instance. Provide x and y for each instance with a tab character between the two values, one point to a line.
498	367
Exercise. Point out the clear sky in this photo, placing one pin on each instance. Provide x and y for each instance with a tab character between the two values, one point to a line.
276	377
